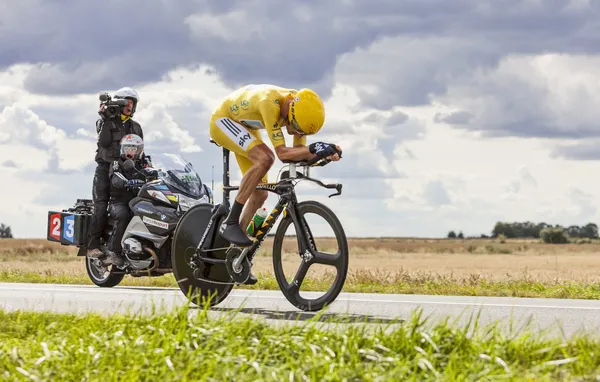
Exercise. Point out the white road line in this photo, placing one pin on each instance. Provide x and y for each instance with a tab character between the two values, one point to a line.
248	294
480	304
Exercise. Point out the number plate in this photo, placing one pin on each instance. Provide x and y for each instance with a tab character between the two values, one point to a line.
67	228
54	226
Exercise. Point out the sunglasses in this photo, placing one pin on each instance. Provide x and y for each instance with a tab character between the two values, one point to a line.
296	127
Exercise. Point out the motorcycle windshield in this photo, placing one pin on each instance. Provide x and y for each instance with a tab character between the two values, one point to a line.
178	173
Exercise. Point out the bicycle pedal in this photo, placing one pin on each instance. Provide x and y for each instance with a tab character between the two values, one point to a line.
251	281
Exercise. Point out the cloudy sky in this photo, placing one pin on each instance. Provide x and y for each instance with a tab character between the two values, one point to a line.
451	114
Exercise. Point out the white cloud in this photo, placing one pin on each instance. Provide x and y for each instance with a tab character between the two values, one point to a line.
22	129
522	182
550	95
159	126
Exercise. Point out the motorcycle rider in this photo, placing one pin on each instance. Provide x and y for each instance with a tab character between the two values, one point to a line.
124	186
110	132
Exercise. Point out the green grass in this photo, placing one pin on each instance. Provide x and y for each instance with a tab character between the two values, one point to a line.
368	282
181	346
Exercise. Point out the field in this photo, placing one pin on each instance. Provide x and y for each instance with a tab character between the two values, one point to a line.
525	268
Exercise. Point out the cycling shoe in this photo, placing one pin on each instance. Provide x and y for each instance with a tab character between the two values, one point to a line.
234	234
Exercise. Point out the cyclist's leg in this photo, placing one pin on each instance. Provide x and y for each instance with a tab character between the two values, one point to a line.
248	144
246	164
257	198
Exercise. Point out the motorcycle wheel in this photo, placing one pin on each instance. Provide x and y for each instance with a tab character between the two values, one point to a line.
186	237
101	275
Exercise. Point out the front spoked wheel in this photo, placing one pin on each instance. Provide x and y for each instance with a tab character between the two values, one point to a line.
338	261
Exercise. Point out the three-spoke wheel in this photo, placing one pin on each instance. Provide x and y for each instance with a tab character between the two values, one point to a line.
311	256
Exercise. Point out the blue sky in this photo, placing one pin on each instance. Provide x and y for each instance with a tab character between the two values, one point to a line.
452	115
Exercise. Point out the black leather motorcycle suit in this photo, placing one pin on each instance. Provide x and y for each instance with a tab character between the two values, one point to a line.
120	195
110	132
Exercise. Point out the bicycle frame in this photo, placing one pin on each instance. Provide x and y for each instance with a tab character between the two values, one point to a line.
287	196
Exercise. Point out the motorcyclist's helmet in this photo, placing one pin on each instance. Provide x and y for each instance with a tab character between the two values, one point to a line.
128	93
132	147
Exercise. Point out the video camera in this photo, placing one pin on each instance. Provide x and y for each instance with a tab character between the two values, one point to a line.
112	107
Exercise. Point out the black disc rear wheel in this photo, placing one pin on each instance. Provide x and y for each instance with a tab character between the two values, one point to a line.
186	237
339	261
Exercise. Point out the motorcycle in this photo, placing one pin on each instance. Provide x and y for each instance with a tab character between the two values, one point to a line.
172	187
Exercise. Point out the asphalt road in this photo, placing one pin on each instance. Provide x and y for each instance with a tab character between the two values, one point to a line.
552	314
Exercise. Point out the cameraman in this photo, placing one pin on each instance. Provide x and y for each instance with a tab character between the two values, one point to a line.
111	129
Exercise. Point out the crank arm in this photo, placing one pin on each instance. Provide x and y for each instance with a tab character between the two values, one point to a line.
209	260
238	261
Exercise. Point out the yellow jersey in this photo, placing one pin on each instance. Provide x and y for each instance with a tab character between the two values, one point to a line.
257	107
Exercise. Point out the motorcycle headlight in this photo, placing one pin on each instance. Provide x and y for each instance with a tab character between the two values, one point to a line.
185	202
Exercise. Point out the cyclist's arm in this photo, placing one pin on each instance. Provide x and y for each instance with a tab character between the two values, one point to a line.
270	113
298	152
293	153
299	141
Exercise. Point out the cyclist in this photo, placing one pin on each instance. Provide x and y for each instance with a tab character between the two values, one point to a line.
235	125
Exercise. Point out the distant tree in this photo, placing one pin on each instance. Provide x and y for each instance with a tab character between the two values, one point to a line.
451	235
589	231
502	228
556	235
574	231
5	232
531	230
460	235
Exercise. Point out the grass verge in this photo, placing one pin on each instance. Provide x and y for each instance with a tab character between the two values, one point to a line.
516	268
369	281
179	346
